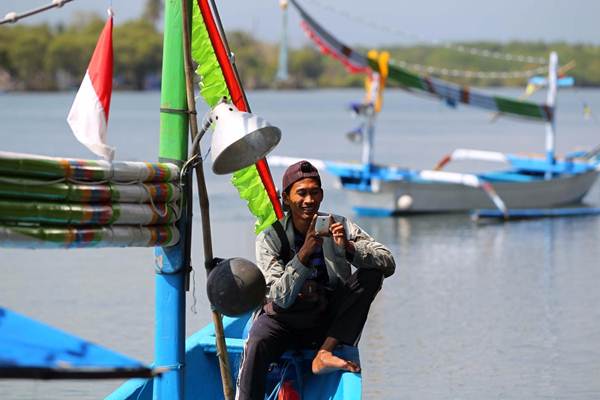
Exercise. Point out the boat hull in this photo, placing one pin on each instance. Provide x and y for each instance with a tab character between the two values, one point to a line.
203	379
408	197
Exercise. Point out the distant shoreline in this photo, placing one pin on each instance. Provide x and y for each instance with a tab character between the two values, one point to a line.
304	89
45	58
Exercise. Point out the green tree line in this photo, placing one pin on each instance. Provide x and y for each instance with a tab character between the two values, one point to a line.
43	57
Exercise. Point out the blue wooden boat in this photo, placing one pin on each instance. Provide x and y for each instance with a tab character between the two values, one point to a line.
196	367
203	380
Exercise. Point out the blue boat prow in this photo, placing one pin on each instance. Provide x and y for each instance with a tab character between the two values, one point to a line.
203	379
30	349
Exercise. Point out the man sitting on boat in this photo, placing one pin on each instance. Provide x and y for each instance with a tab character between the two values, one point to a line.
314	300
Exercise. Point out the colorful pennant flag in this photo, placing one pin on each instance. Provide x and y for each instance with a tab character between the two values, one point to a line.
219	80
88	117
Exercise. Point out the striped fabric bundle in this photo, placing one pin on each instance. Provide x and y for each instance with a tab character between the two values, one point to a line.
52	237
87	214
34	166
36	189
57	202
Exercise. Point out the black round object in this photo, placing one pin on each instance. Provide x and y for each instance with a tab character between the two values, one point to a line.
235	286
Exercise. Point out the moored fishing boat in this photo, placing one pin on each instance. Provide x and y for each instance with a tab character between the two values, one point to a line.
386	190
532	182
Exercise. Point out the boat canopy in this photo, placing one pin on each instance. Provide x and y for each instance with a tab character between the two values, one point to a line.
452	93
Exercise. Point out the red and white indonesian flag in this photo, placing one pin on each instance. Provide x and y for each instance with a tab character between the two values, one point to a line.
88	117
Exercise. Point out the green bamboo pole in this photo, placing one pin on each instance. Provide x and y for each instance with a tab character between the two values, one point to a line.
171	262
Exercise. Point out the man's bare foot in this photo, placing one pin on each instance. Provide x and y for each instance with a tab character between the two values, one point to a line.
325	362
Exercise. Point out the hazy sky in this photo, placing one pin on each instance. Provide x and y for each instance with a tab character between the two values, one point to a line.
442	20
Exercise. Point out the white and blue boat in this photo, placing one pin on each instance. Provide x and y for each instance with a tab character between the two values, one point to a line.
523	182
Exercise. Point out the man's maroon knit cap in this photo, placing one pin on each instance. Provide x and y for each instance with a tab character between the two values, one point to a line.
300	170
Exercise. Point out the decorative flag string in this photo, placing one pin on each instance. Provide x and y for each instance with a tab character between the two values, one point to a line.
474	51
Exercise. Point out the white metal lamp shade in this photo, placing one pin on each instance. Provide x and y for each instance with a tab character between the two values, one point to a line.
240	139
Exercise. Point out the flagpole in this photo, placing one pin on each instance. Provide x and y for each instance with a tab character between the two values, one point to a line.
171	262
222	355
236	91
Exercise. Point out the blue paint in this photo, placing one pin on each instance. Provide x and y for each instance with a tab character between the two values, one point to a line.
372	212
169	333
169	260
29	344
360	178
169	339
538	212
507	176
450	102
541	165
550	162
203	379
566	81
575	154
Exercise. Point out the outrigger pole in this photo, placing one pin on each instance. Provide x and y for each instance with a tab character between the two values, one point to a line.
171	263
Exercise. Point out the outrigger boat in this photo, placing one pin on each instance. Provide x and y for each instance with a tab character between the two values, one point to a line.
527	182
48	202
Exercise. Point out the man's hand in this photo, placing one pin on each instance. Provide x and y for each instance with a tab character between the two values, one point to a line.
338	232
312	242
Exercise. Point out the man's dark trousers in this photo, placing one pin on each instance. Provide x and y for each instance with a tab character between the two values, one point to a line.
271	335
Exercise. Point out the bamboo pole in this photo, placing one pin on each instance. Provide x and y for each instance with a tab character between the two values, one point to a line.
172	262
204	206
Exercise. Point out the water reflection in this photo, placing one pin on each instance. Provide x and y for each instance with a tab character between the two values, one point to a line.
478	310
474	311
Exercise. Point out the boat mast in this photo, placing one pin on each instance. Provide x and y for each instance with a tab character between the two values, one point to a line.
370	113
551	124
170	264
282	71
367	148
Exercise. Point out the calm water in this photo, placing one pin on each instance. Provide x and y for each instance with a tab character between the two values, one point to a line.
474	311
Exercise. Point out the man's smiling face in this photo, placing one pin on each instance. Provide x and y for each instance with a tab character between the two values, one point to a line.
304	199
